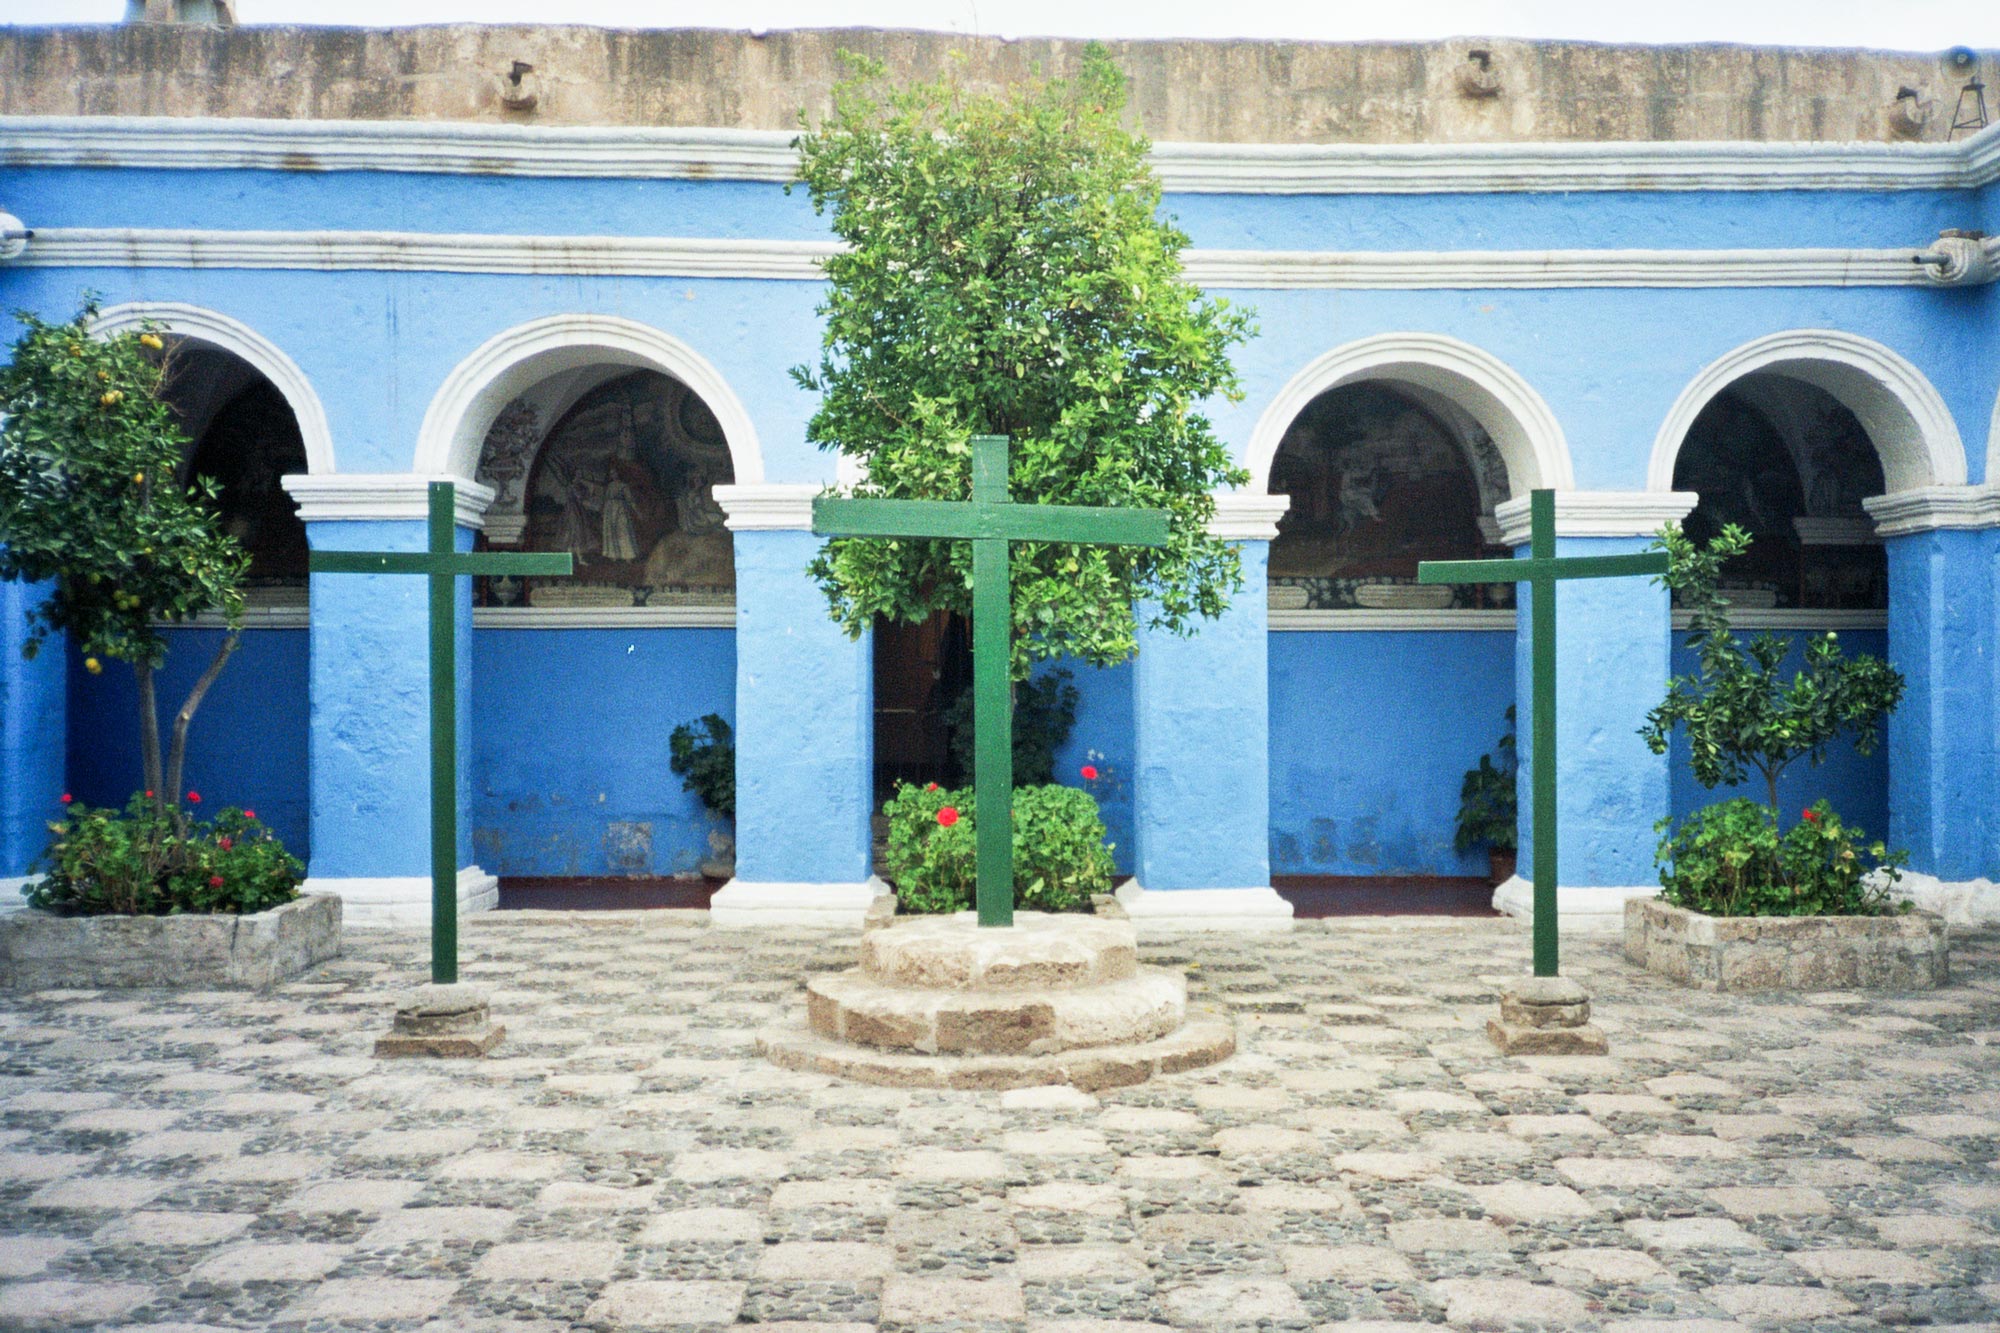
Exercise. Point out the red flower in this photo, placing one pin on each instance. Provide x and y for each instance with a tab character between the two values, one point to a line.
149	793
1807	814
67	798
930	786
194	798
249	814
215	881
1090	772
948	816
224	843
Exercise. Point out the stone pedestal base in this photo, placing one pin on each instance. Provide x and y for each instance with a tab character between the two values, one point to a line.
448	1021
1546	1016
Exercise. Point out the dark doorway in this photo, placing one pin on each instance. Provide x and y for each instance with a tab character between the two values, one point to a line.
920	670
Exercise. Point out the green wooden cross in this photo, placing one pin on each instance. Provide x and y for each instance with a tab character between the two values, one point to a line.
990	521
444	565
1541	571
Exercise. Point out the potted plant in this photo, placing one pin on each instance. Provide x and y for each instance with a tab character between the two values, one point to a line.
703	754
1747	902
1487	808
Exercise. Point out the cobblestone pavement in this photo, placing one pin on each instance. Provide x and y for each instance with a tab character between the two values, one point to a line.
1366	1161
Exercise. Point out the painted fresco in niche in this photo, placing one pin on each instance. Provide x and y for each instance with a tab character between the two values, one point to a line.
250	443
625	483
1813	544
1377	483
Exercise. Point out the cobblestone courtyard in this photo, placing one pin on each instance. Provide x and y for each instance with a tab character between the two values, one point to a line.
1366	1161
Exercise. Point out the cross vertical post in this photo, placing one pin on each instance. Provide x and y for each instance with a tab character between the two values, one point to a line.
1541	571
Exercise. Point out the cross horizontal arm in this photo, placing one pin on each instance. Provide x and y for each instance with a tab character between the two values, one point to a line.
1084	524
423	562
1522	571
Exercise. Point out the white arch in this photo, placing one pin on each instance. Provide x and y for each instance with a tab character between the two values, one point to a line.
1906	420
505	365
1512	414
239	339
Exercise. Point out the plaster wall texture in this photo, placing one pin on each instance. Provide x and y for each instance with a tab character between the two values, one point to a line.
570	748
1200	712
804	723
1233	91
32	708
1370	736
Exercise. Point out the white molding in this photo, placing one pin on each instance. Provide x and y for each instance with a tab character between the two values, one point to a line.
1507	408
507	364
771	507
1929	508
1967	902
391	902
1795	619
801	261
1598	514
1245	516
1904	415
1480	619
604	617
1173	911
658	152
1815	531
393	496
239	339
1580	909
741	904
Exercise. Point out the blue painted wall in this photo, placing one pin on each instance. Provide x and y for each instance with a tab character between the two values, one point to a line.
1103	737
1856	784
247	747
569	747
33	703
1371	735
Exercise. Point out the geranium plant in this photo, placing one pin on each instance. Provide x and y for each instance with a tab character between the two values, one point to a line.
1060	855
152	860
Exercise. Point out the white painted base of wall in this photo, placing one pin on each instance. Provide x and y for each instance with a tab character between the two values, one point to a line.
1965	902
741	904
10	892
1580	909
396	901
1169	910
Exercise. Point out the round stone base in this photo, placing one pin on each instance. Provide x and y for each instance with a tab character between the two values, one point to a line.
1202	1040
855	1006
1040	951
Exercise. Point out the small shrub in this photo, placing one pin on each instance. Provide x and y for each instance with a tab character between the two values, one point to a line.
705	760
150	860
1729	859
1060	856
1044	715
1487	810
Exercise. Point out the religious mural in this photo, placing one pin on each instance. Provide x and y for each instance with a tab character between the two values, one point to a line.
625	483
1813	544
1378	483
250	443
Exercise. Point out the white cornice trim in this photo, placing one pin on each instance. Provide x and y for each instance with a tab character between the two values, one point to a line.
604	617
1795	618
1484	620
1598	514
391	496
653	152
800	261
1242	516
1929	508
770	507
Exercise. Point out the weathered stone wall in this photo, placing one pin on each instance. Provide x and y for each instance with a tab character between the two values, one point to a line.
1228	92
1806	953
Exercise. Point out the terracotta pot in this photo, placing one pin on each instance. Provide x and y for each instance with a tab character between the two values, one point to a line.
1499	865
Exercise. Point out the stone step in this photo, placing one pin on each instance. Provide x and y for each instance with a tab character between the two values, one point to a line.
1041	951
1204	1039
855	1007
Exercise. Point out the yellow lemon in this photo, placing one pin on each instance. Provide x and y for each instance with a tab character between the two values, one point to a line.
138	479
151	341
92	665
112	398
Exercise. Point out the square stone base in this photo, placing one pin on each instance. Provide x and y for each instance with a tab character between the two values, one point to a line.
447	1045
1522	1039
443	1021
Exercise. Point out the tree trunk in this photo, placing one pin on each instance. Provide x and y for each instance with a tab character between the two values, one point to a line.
177	757
149	728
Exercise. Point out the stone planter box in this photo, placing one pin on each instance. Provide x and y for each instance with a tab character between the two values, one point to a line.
1745	953
41	951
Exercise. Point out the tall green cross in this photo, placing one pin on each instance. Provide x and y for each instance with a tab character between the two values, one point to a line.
990	521
444	565
1541	571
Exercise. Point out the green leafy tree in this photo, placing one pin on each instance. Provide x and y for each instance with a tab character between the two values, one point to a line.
1740	713
89	499
1006	272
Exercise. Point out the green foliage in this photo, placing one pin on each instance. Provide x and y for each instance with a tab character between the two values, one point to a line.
1728	859
1487	809
154	861
1006	273
706	761
1740	714
1044	714
1060	856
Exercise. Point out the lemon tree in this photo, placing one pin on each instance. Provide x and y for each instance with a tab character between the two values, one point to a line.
1007	272
92	501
